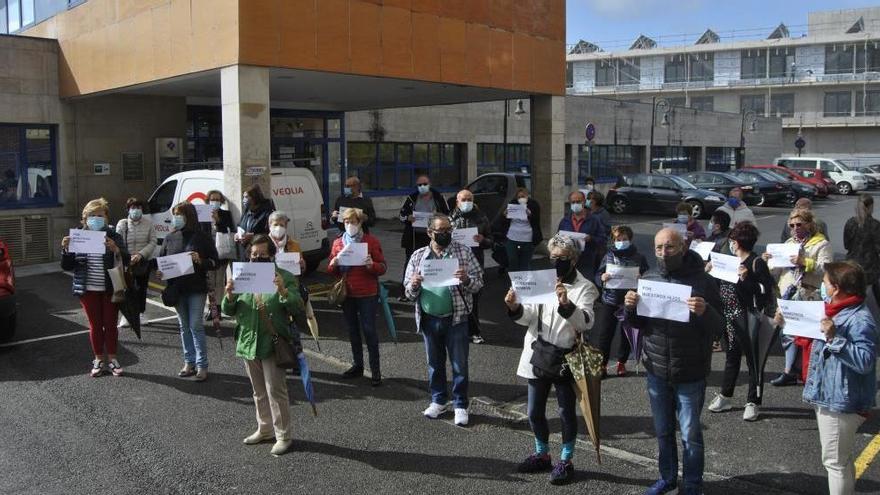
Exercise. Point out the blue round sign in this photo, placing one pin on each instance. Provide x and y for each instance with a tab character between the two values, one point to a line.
590	132
799	143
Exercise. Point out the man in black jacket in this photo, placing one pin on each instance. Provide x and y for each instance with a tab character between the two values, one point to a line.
677	357
426	201
353	197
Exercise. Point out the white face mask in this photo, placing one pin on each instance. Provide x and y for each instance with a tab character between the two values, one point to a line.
352	229
523	201
466	206
278	232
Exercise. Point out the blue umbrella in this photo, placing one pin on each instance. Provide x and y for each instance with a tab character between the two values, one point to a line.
389	317
306	374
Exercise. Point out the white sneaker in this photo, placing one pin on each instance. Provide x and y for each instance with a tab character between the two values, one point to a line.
123	323
720	404
751	412
257	437
435	410
461	417
280	447
476	339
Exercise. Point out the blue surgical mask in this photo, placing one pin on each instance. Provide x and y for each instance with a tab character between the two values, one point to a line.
621	245
711	227
96	223
683	218
178	222
424	188
466	206
824	293
346	191
216	205
135	214
577	207
733	202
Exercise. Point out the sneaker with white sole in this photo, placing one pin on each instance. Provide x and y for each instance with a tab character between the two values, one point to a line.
751	412
258	437
281	447
477	339
435	410
201	374
97	368
720	404
123	323
115	368
461	416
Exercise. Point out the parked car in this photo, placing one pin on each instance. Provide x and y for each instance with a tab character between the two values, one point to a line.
847	180
800	189
822	189
872	173
722	183
820	175
494	190
771	190
660	194
8	311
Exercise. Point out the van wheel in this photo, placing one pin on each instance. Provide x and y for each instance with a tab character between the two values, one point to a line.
844	188
762	200
696	208
619	205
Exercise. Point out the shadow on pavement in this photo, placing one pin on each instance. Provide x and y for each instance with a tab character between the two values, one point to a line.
783	483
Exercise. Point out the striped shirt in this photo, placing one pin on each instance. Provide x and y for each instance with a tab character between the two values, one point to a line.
95	273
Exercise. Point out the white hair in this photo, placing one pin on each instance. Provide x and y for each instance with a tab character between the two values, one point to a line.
567	243
278	215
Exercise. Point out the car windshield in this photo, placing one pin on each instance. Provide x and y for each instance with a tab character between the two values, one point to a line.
775	176
842	165
681	182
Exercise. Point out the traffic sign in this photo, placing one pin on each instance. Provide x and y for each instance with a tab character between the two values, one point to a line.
590	131
799	143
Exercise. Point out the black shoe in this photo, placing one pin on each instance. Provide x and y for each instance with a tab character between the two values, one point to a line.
294	371
562	473
784	379
376	379
535	464
403	299
353	372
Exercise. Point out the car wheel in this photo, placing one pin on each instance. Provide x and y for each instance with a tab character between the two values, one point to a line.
697	209
9	329
762	200
844	188
619	205
790	199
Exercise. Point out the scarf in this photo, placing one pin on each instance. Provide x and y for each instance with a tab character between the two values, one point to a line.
346	240
832	308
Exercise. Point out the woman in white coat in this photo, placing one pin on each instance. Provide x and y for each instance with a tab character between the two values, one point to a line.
552	332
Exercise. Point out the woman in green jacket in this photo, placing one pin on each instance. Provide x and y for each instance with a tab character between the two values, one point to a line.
253	343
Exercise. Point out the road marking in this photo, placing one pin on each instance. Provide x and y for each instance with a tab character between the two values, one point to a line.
867	456
40	339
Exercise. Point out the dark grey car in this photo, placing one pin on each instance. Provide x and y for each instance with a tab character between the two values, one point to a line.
661	194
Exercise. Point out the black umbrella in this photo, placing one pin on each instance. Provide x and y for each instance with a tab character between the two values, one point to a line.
756	334
129	306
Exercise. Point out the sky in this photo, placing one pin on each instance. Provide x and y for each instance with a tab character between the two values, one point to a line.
615	24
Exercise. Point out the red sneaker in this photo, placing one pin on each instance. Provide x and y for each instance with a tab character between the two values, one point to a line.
621	369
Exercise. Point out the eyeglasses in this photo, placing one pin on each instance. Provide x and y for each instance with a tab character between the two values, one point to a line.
559	258
795	225
665	248
441	231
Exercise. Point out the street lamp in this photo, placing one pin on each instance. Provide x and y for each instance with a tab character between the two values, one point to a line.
662	105
518	112
752	118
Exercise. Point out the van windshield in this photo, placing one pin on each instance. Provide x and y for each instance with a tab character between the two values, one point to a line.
841	165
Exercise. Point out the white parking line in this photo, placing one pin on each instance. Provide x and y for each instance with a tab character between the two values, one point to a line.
40	339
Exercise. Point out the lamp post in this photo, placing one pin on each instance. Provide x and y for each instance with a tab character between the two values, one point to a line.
752	118
519	111
657	104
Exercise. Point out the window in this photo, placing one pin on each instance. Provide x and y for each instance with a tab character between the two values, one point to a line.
163	198
868	103
838	104
27	12
754	103
629	71
753	64
677	101
606	73
27	166
780	61
569	74
839	59
782	105
703	103
493	184
674	159
868	55
675	69
723	159
608	162
702	66
13	15
391	168
490	158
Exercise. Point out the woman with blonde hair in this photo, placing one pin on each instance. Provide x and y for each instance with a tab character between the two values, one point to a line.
91	283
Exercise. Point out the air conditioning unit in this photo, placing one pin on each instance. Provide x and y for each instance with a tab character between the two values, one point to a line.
27	237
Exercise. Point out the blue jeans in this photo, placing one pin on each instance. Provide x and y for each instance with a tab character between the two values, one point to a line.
442	337
190	311
791	354
519	255
539	391
683	401
360	316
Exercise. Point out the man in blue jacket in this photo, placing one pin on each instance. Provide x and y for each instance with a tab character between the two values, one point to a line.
579	219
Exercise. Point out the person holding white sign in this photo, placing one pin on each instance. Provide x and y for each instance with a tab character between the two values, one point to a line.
425	201
622	255
677	358
258	318
353	197
800	283
442	316
520	236
554	326
579	219
221	228
188	292
467	215
694	232
362	284
92	284
841	382
140	240
753	291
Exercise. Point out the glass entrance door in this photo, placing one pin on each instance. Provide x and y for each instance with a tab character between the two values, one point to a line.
312	140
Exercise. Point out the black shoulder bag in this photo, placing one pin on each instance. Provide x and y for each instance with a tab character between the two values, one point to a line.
548	360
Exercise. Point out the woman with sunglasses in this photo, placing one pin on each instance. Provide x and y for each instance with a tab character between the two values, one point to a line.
801	283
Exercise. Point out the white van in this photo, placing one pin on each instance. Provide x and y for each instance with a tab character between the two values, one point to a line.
294	191
847	180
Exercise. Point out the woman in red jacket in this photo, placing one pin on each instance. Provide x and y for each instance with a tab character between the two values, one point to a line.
362	282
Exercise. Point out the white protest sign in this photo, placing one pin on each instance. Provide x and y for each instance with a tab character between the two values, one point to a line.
253	278
781	254
204	212
663	300
622	277
680	227
703	249
420	219
725	267
578	237
534	287
87	241
439	272
289	262
802	318
175	265
517	212
466	236
355	254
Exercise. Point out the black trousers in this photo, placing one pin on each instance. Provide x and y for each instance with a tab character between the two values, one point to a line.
411	244
474	320
731	373
604	328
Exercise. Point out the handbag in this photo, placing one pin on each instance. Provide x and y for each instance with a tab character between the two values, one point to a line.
225	244
117	280
285	354
548	360
338	292
170	295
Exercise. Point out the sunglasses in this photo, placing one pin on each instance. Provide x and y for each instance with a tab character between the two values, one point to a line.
795	225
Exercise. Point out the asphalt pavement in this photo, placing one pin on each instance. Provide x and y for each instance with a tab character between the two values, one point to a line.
151	432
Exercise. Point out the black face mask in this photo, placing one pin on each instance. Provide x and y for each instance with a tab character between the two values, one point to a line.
670	263
563	268
443	239
261	260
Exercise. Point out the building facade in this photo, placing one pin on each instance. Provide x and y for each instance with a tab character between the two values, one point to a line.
824	84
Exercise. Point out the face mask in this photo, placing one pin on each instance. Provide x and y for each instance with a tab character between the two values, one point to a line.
800	233
711	227
733	202
216	205
732	246
577	208
621	245
245	201
466	206
589	203
669	263
683	218
346	191
588	187
278	231
823	291
352	229
563	268
261	259
424	188
178	221
522	201
96	223
443	239
135	214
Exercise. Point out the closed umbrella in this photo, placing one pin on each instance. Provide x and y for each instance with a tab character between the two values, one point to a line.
128	305
633	335
312	323
215	315
305	374
585	363
389	316
756	336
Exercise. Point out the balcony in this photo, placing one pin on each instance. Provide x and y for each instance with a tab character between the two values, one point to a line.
820	119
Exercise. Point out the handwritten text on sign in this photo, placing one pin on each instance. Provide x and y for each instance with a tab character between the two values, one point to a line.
534	287
439	272
87	241
802	318
253	278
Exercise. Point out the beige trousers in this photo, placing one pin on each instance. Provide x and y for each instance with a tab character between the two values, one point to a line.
270	396
837	433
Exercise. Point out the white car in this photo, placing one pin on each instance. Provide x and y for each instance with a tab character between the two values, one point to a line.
847	180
